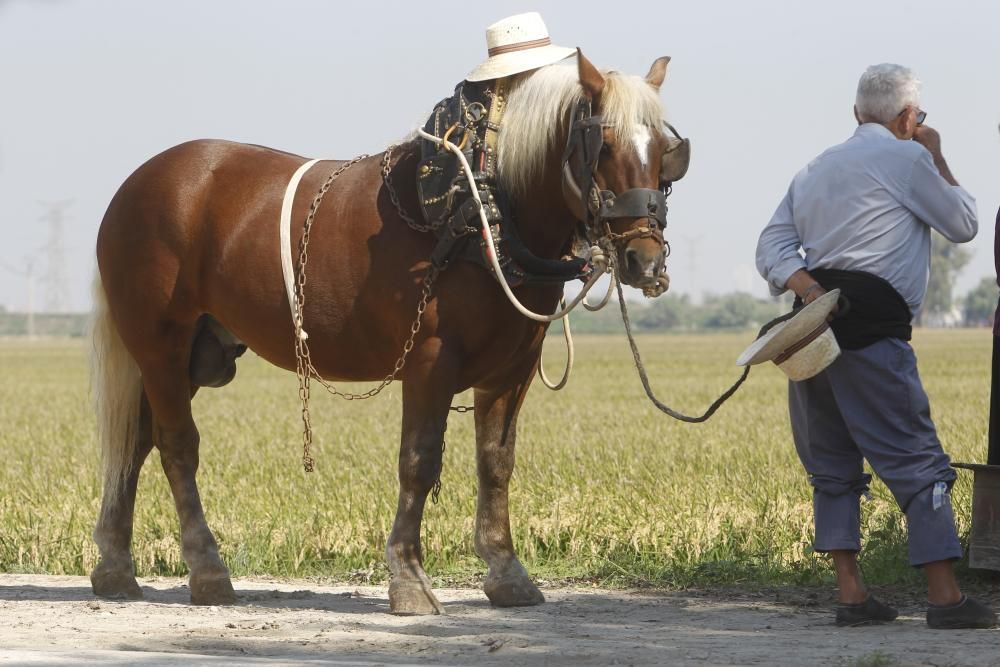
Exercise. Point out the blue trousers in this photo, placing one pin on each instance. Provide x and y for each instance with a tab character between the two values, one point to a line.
870	404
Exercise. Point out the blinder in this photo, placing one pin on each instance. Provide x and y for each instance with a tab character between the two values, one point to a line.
583	149
677	157
592	139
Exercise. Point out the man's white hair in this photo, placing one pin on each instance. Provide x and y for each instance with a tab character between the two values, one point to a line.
884	91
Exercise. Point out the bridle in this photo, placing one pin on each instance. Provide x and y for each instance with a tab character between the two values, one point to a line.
597	207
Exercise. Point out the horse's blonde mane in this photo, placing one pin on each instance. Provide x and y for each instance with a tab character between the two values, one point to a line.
537	105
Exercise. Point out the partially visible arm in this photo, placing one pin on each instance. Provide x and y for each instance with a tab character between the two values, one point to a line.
805	286
934	195
778	249
930	139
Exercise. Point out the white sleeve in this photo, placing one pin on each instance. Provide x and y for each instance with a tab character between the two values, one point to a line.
778	248
947	208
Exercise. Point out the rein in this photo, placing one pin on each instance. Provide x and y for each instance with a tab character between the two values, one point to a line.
662	407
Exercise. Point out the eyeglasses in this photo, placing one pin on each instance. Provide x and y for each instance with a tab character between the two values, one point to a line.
921	114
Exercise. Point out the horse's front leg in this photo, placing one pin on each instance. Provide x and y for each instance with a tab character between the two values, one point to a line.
427	394
507	583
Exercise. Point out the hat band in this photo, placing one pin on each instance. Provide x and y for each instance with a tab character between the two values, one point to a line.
810	337
519	46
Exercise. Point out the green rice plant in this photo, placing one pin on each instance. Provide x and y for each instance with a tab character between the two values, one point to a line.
606	488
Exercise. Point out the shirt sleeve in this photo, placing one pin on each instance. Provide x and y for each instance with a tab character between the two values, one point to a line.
947	208
778	248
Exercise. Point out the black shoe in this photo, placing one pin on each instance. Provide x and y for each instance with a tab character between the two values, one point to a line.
966	614
869	612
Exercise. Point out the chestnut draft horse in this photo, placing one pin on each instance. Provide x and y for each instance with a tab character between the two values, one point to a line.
194	232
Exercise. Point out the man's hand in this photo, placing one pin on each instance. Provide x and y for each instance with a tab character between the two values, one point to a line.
930	139
805	286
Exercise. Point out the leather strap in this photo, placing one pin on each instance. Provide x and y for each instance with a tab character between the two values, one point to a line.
285	225
497	109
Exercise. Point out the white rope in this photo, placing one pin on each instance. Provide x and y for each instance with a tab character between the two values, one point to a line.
568	336
285	222
607	296
597	255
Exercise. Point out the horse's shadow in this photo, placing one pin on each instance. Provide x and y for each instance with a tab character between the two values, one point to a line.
343	602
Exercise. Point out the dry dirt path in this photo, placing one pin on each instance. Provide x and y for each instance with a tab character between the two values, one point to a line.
47	620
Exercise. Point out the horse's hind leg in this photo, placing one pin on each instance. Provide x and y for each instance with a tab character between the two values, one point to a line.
425	412
114	576
507	583
167	384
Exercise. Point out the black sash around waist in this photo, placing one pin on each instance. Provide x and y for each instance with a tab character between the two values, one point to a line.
875	311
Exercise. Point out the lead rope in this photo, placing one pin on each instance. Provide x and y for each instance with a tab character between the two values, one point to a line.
568	336
645	380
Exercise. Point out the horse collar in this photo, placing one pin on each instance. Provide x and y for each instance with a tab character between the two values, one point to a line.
471	119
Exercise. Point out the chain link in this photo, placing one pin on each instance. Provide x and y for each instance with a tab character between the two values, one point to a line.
387	179
304	367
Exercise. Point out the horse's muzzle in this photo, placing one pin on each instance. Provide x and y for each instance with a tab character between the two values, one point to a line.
642	267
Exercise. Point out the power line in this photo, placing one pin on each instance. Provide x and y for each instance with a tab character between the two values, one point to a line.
54	279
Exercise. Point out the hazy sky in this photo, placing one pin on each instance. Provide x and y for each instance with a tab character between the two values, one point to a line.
91	89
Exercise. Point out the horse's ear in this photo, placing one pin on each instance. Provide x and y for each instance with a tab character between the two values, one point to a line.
590	78
658	72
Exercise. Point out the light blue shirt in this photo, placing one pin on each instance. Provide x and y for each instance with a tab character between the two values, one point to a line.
867	204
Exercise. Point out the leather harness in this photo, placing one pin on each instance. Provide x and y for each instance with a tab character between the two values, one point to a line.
476	111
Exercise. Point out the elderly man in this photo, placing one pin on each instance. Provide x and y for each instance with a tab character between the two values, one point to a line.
862	213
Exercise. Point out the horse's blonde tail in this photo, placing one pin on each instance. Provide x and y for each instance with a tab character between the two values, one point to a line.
116	390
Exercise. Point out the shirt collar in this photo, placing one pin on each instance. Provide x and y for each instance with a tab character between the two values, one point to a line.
873	130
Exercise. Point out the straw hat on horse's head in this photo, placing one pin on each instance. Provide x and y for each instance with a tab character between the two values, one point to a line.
517	44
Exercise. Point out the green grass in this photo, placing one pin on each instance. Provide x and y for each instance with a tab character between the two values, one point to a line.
606	488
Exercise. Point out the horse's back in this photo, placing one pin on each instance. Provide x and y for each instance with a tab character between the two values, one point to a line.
195	230
178	185
167	229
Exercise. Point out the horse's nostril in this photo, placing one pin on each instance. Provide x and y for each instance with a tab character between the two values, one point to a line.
632	262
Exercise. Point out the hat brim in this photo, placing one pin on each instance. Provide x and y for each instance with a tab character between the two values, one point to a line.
515	62
785	334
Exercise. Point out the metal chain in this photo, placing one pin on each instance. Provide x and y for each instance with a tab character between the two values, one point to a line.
436	489
413	224
387	179
303	365
645	380
305	369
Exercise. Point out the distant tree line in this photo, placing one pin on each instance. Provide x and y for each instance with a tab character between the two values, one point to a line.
50	325
677	312
670	312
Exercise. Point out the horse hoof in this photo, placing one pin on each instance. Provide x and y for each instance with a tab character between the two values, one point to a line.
412	598
513	591
115	584
212	591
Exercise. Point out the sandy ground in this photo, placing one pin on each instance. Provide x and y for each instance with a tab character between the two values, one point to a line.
47	620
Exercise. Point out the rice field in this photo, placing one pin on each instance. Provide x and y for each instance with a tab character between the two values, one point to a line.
606	488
